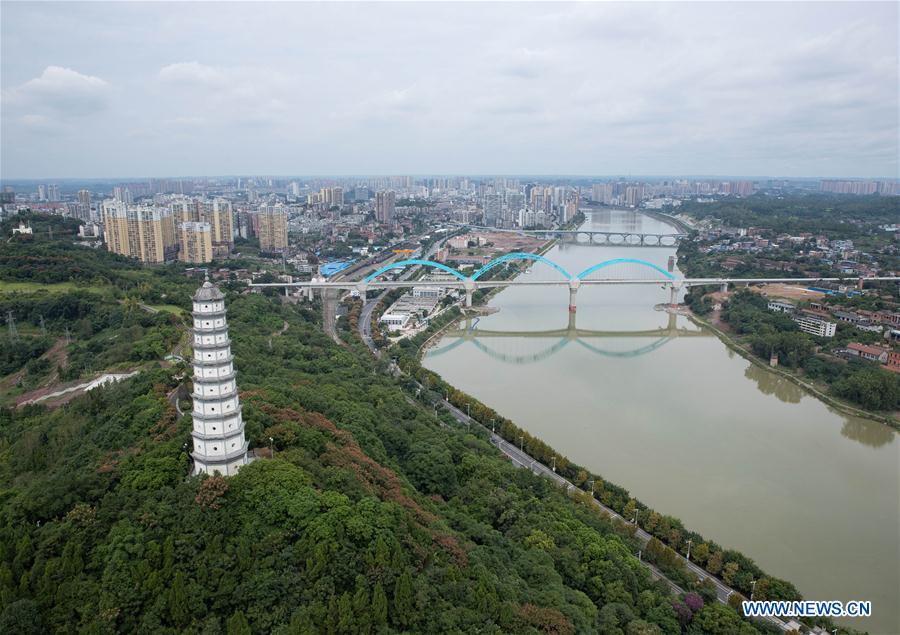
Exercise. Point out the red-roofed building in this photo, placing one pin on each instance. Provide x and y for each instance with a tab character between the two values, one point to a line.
871	353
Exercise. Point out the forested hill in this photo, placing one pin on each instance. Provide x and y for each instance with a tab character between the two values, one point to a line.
373	517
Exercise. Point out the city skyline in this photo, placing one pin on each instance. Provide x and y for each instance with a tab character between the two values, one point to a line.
805	90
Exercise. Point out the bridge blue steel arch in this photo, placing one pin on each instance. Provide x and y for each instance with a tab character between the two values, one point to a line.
425	263
523	359
519	255
636	352
619	261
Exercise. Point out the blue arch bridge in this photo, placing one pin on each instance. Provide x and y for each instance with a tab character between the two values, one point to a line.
612	271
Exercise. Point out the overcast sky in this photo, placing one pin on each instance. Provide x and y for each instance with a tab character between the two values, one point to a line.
92	90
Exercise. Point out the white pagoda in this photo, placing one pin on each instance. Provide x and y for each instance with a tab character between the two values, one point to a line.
218	431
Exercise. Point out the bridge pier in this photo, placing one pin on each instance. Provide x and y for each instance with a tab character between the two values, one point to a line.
574	284
674	288
469	286
724	287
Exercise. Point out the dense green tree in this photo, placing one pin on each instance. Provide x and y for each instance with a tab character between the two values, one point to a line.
238	624
716	619
379	606
404	609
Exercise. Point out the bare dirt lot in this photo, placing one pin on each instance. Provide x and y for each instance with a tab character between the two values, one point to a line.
788	291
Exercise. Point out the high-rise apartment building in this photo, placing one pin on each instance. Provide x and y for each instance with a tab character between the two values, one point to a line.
184	210
219	215
144	233
273	232
568	210
385	201
515	201
331	197
53	193
122	194
492	207
602	193
634	194
83	207
743	188
195	242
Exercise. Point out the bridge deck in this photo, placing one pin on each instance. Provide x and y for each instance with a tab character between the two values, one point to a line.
483	284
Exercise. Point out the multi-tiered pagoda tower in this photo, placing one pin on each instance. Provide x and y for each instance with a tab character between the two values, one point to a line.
219	444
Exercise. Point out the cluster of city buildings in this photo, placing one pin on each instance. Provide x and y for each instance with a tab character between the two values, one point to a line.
817	251
860	187
821	320
196	220
187	229
635	193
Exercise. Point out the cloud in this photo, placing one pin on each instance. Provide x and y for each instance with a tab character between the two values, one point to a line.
193	73
660	88
60	91
196	93
526	63
39	123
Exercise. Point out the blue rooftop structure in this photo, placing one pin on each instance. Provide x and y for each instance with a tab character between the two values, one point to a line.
330	268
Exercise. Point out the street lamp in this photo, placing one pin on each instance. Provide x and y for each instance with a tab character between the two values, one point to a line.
521	443
752	589
271	447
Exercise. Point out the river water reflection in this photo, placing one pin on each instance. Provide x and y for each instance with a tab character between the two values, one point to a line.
694	430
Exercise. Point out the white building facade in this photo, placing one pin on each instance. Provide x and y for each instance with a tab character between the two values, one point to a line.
218	429
815	326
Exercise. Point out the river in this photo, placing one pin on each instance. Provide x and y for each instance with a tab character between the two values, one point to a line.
739	454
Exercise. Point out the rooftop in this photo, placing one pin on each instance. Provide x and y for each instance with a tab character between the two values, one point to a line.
208	292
